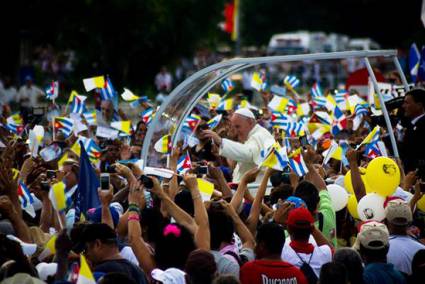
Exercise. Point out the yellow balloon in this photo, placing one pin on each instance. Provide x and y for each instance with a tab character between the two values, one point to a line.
383	176
421	204
347	181
352	206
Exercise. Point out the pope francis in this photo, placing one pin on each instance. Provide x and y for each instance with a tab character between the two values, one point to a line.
252	138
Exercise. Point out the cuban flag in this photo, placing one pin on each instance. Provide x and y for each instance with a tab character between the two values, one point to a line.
339	121
138	102
191	122
15	123
341	96
63	124
296	162
414	61
279	120
213	122
26	199
294	129
227	85
184	164
52	90
77	104
291	82
147	115
90	117
316	91
108	93
319	102
360	110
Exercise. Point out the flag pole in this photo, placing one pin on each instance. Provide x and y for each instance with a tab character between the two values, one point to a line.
384	108
236	27
53	128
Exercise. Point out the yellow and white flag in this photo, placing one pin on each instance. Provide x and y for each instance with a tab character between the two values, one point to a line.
85	276
128	96
93	83
206	189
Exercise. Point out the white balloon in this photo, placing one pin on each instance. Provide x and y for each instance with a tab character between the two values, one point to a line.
371	207
339	196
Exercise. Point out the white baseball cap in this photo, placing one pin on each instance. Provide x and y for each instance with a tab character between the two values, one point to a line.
46	269
169	276
245	112
27	248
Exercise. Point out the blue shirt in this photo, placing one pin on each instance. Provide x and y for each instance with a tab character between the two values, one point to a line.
377	273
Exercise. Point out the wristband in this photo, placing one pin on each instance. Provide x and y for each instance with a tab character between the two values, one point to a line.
133	218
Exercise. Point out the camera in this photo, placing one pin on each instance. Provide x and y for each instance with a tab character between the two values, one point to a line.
51	174
202	170
147	182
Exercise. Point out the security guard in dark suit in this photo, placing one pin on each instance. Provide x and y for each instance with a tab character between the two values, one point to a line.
413	145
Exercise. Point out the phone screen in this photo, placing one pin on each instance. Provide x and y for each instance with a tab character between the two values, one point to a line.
104	181
303	141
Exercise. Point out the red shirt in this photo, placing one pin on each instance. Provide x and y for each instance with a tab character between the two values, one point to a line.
271	272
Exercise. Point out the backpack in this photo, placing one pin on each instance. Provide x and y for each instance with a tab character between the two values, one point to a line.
308	271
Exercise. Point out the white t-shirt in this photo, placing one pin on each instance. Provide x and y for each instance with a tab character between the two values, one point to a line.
401	252
321	255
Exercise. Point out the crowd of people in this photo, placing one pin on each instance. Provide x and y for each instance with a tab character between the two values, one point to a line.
77	206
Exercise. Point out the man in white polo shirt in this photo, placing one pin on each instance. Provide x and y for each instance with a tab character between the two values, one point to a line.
252	138
402	246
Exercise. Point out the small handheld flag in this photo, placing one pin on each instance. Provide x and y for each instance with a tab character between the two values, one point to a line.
52	90
63	124
90	117
227	85
206	189
316	91
278	103
291	82
414	61
123	126
57	196
275	157
339	121
94	83
128	96
147	115
25	199
85	276
296	162
163	145
215	121
184	164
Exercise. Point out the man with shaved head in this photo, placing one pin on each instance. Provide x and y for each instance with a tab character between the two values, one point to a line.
251	139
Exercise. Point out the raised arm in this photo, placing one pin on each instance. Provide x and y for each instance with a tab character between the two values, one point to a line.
356	180
202	234
246	179
313	176
105	197
254	214
142	252
175	211
241	229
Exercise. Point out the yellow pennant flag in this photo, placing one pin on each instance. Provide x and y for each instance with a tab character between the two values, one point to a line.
213	100
206	189
85	276
49	248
